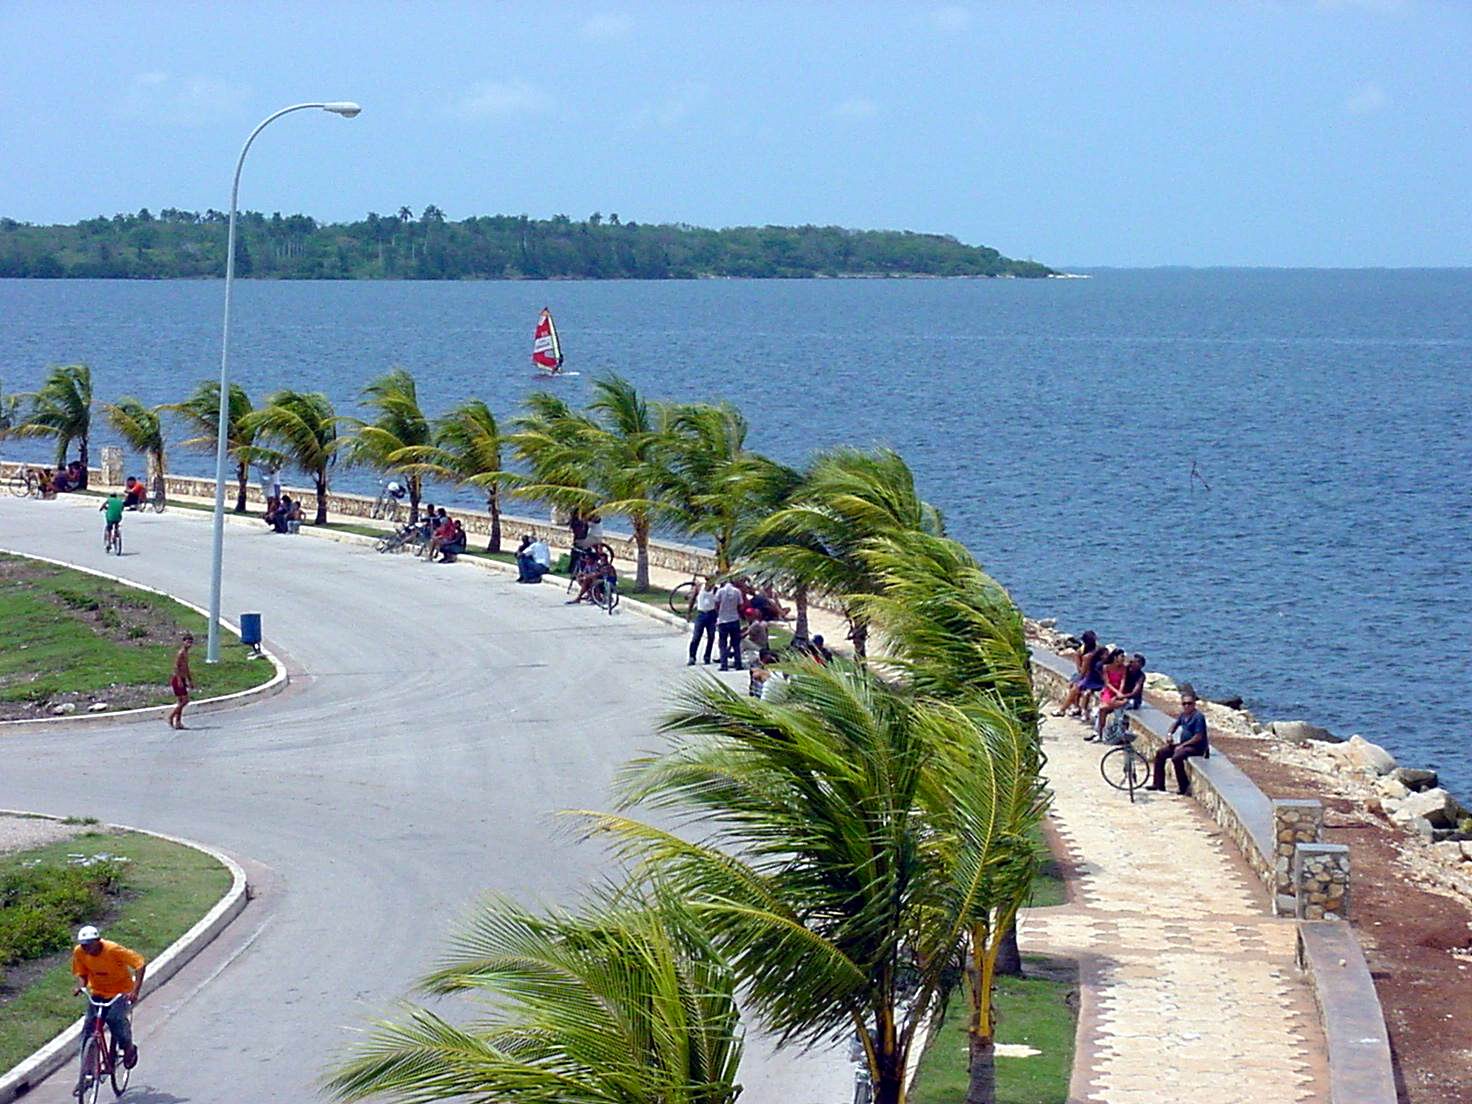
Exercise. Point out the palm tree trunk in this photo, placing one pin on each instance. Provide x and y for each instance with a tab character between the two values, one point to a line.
415	490
1009	958
321	481
493	504
241	476
981	1082
800	600
82	456
641	555
159	488
859	634
888	1075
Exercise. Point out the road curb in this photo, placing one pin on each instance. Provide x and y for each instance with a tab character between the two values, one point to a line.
268	689
23	1077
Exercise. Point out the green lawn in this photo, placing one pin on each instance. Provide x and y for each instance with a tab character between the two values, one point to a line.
166	889
73	636
1048	887
1038	1011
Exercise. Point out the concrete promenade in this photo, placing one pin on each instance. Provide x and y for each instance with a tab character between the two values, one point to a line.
1192	994
439	717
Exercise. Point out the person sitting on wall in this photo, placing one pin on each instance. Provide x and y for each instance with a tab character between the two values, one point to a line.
1115	666
294	516
1126	695
134	494
456	544
1089	663
1190	726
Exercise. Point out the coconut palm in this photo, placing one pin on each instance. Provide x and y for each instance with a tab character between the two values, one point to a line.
201	412
622	1002
467	450
9	412
709	476
142	431
954	632
303	429
62	409
771	489
400	425
608	458
838	844
849	499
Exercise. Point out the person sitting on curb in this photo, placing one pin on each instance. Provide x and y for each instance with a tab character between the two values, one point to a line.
1191	727
456	544
134	494
294	517
533	559
444	533
594	569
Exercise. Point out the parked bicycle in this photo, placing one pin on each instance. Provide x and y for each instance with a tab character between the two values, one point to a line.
1122	766
682	598
25	483
390	494
411	538
158	502
101	1056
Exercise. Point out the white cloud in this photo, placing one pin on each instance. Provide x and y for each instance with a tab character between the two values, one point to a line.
498	99
672	110
951	17
160	97
1366	100
855	107
607	27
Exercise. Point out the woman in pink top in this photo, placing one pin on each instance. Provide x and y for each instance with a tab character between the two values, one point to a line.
1114	672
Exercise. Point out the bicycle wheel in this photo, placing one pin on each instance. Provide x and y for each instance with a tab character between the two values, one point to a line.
610	597
682	599
119	1073
19	485
159	503
117	540
89	1080
1118	768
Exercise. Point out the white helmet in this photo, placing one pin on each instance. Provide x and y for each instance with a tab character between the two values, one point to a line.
88	934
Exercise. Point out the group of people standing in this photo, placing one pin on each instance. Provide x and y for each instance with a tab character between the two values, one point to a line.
735	614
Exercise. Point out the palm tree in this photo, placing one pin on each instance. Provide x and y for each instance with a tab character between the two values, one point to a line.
773	489
623	1002
956	633
401	425
848	500
853	834
142	431
62	409
201	411
467	450
607	459
9	413
303	427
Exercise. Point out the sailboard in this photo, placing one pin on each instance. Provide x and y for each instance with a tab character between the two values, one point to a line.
547	347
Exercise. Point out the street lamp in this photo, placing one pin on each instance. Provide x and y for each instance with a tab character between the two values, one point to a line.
212	650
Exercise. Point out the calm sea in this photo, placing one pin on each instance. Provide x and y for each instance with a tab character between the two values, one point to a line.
1319	564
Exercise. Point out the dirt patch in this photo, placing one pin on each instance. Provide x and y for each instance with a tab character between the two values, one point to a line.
1417	935
18	833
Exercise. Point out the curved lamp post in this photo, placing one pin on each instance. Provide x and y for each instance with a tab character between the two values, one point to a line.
212	650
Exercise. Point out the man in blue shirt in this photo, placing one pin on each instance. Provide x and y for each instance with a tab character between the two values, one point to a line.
1187	737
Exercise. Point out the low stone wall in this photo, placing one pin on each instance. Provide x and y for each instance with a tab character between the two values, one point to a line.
1360	1069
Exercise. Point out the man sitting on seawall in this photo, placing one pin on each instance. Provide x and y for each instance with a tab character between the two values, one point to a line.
1192	728
533	560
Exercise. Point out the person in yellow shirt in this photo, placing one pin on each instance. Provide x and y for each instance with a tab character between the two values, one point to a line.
106	970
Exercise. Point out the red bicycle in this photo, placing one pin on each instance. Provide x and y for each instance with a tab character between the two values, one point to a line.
101	1057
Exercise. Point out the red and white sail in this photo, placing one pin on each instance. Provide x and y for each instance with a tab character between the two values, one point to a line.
546	348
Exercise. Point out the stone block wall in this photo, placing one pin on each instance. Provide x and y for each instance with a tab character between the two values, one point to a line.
1321	881
1295	823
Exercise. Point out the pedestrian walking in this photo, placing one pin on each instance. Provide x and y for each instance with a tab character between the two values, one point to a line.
182	682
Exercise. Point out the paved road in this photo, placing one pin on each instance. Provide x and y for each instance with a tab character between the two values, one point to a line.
444	716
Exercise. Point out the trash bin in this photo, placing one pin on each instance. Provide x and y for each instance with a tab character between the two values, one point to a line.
250	630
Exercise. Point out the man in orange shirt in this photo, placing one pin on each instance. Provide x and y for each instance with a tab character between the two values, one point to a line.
106	970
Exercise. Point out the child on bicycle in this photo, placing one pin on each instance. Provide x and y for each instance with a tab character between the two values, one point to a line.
113	506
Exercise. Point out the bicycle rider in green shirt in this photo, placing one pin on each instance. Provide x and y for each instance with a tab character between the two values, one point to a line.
113	504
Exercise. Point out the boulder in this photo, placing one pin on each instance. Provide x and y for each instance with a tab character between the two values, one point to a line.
1466	846
1449	852
1369	757
1233	702
1437	807
1415	778
97	707
1154	680
64	708
1301	732
1392	787
1048	623
1416	825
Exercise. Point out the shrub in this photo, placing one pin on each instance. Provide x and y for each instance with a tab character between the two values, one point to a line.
76	599
28	932
39	905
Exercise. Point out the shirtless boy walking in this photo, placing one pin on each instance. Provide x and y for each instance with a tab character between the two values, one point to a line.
181	683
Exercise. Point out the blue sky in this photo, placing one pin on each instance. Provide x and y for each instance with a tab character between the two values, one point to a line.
1245	133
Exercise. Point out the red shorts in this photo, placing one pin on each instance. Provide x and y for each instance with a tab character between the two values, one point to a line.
176	684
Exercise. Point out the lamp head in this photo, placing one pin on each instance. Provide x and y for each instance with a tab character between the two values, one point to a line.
346	108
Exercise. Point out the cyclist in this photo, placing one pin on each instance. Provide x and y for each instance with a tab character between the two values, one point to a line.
107	970
113	505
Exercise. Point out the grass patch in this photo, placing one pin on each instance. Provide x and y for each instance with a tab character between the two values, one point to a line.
165	888
1039	1011
1048	887
75	637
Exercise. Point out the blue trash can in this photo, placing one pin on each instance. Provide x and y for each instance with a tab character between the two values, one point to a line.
250	629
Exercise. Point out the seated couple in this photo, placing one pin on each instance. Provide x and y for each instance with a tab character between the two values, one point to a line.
449	540
284	515
533	559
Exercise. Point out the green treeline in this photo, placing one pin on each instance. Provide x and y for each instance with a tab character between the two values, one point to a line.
403	246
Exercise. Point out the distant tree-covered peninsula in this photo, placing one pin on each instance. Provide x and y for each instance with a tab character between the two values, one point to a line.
428	246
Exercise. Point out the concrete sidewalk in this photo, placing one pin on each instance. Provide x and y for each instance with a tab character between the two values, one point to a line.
1191	993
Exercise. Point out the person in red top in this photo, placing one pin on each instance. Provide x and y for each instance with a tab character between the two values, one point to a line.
107	970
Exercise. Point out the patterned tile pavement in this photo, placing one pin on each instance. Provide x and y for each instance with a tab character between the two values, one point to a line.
1192	993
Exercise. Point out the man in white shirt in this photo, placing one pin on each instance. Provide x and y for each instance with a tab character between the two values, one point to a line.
728	624
705	619
533	559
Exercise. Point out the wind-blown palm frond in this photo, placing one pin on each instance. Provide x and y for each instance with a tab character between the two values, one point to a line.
400	425
201	412
624	1002
9	412
303	429
467	451
62	409
142	431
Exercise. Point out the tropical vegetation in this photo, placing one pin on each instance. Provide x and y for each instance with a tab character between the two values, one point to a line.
302	427
62	410
141	429
401	245
201	412
401	426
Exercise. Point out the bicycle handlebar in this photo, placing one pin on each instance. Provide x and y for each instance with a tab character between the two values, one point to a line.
104	1003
